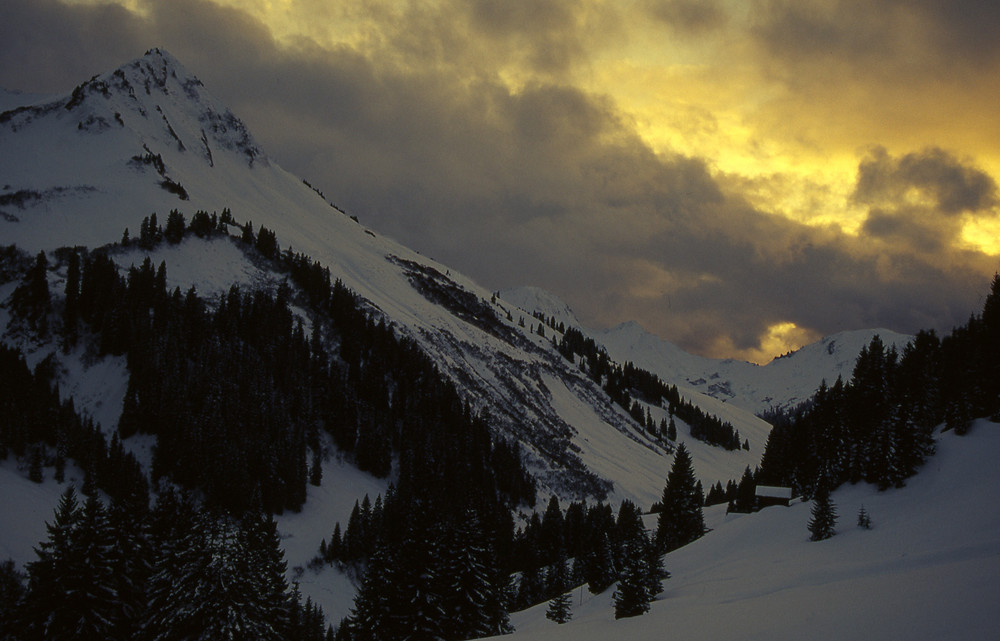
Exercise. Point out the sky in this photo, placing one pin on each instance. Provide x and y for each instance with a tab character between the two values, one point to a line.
740	178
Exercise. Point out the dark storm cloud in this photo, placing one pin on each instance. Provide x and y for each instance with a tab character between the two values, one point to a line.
936	174
544	185
911	228
920	200
962	29
872	38
46	46
546	30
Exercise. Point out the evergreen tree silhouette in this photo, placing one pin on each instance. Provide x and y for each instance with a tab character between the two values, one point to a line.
681	519
824	516
558	584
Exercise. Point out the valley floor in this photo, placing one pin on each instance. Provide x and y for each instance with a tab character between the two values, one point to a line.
928	569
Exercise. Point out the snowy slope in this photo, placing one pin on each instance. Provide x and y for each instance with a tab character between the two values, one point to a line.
928	569
536	299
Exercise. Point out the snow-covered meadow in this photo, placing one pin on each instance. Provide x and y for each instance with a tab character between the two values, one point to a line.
928	569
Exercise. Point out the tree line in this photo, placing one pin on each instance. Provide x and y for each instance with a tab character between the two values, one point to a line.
878	427
627	384
544	559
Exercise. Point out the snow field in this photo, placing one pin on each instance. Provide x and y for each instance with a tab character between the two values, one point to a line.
928	569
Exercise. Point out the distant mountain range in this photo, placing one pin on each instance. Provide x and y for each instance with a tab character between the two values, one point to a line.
781	384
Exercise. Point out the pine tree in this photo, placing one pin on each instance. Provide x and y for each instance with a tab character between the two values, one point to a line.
824	516
470	598
71	309
48	581
557	576
558	584
354	535
99	600
267	561
316	469
371	616
655	572
600	566
11	592
632	596
71	587
550	536
132	556
247	236
174	231
334	551
417	604
681	519
864	519
31	301
745	493
531	587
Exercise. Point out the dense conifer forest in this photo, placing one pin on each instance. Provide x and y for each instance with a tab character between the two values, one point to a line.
878	427
244	404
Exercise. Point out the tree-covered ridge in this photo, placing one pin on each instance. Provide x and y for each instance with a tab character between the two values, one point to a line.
238	395
244	402
624	383
878	427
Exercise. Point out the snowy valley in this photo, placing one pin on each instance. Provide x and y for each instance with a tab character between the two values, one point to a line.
86	171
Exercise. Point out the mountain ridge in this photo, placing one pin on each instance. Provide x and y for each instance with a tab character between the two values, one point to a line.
781	384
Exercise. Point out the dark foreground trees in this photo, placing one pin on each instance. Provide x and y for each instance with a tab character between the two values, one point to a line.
188	574
641	572
823	523
681	519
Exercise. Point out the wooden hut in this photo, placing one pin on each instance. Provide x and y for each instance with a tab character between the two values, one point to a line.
768	495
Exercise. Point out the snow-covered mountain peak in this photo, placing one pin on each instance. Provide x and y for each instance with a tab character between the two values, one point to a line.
536	299
157	87
147	137
631	328
783	383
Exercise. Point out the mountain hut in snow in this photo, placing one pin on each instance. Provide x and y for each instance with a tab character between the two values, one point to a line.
768	495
